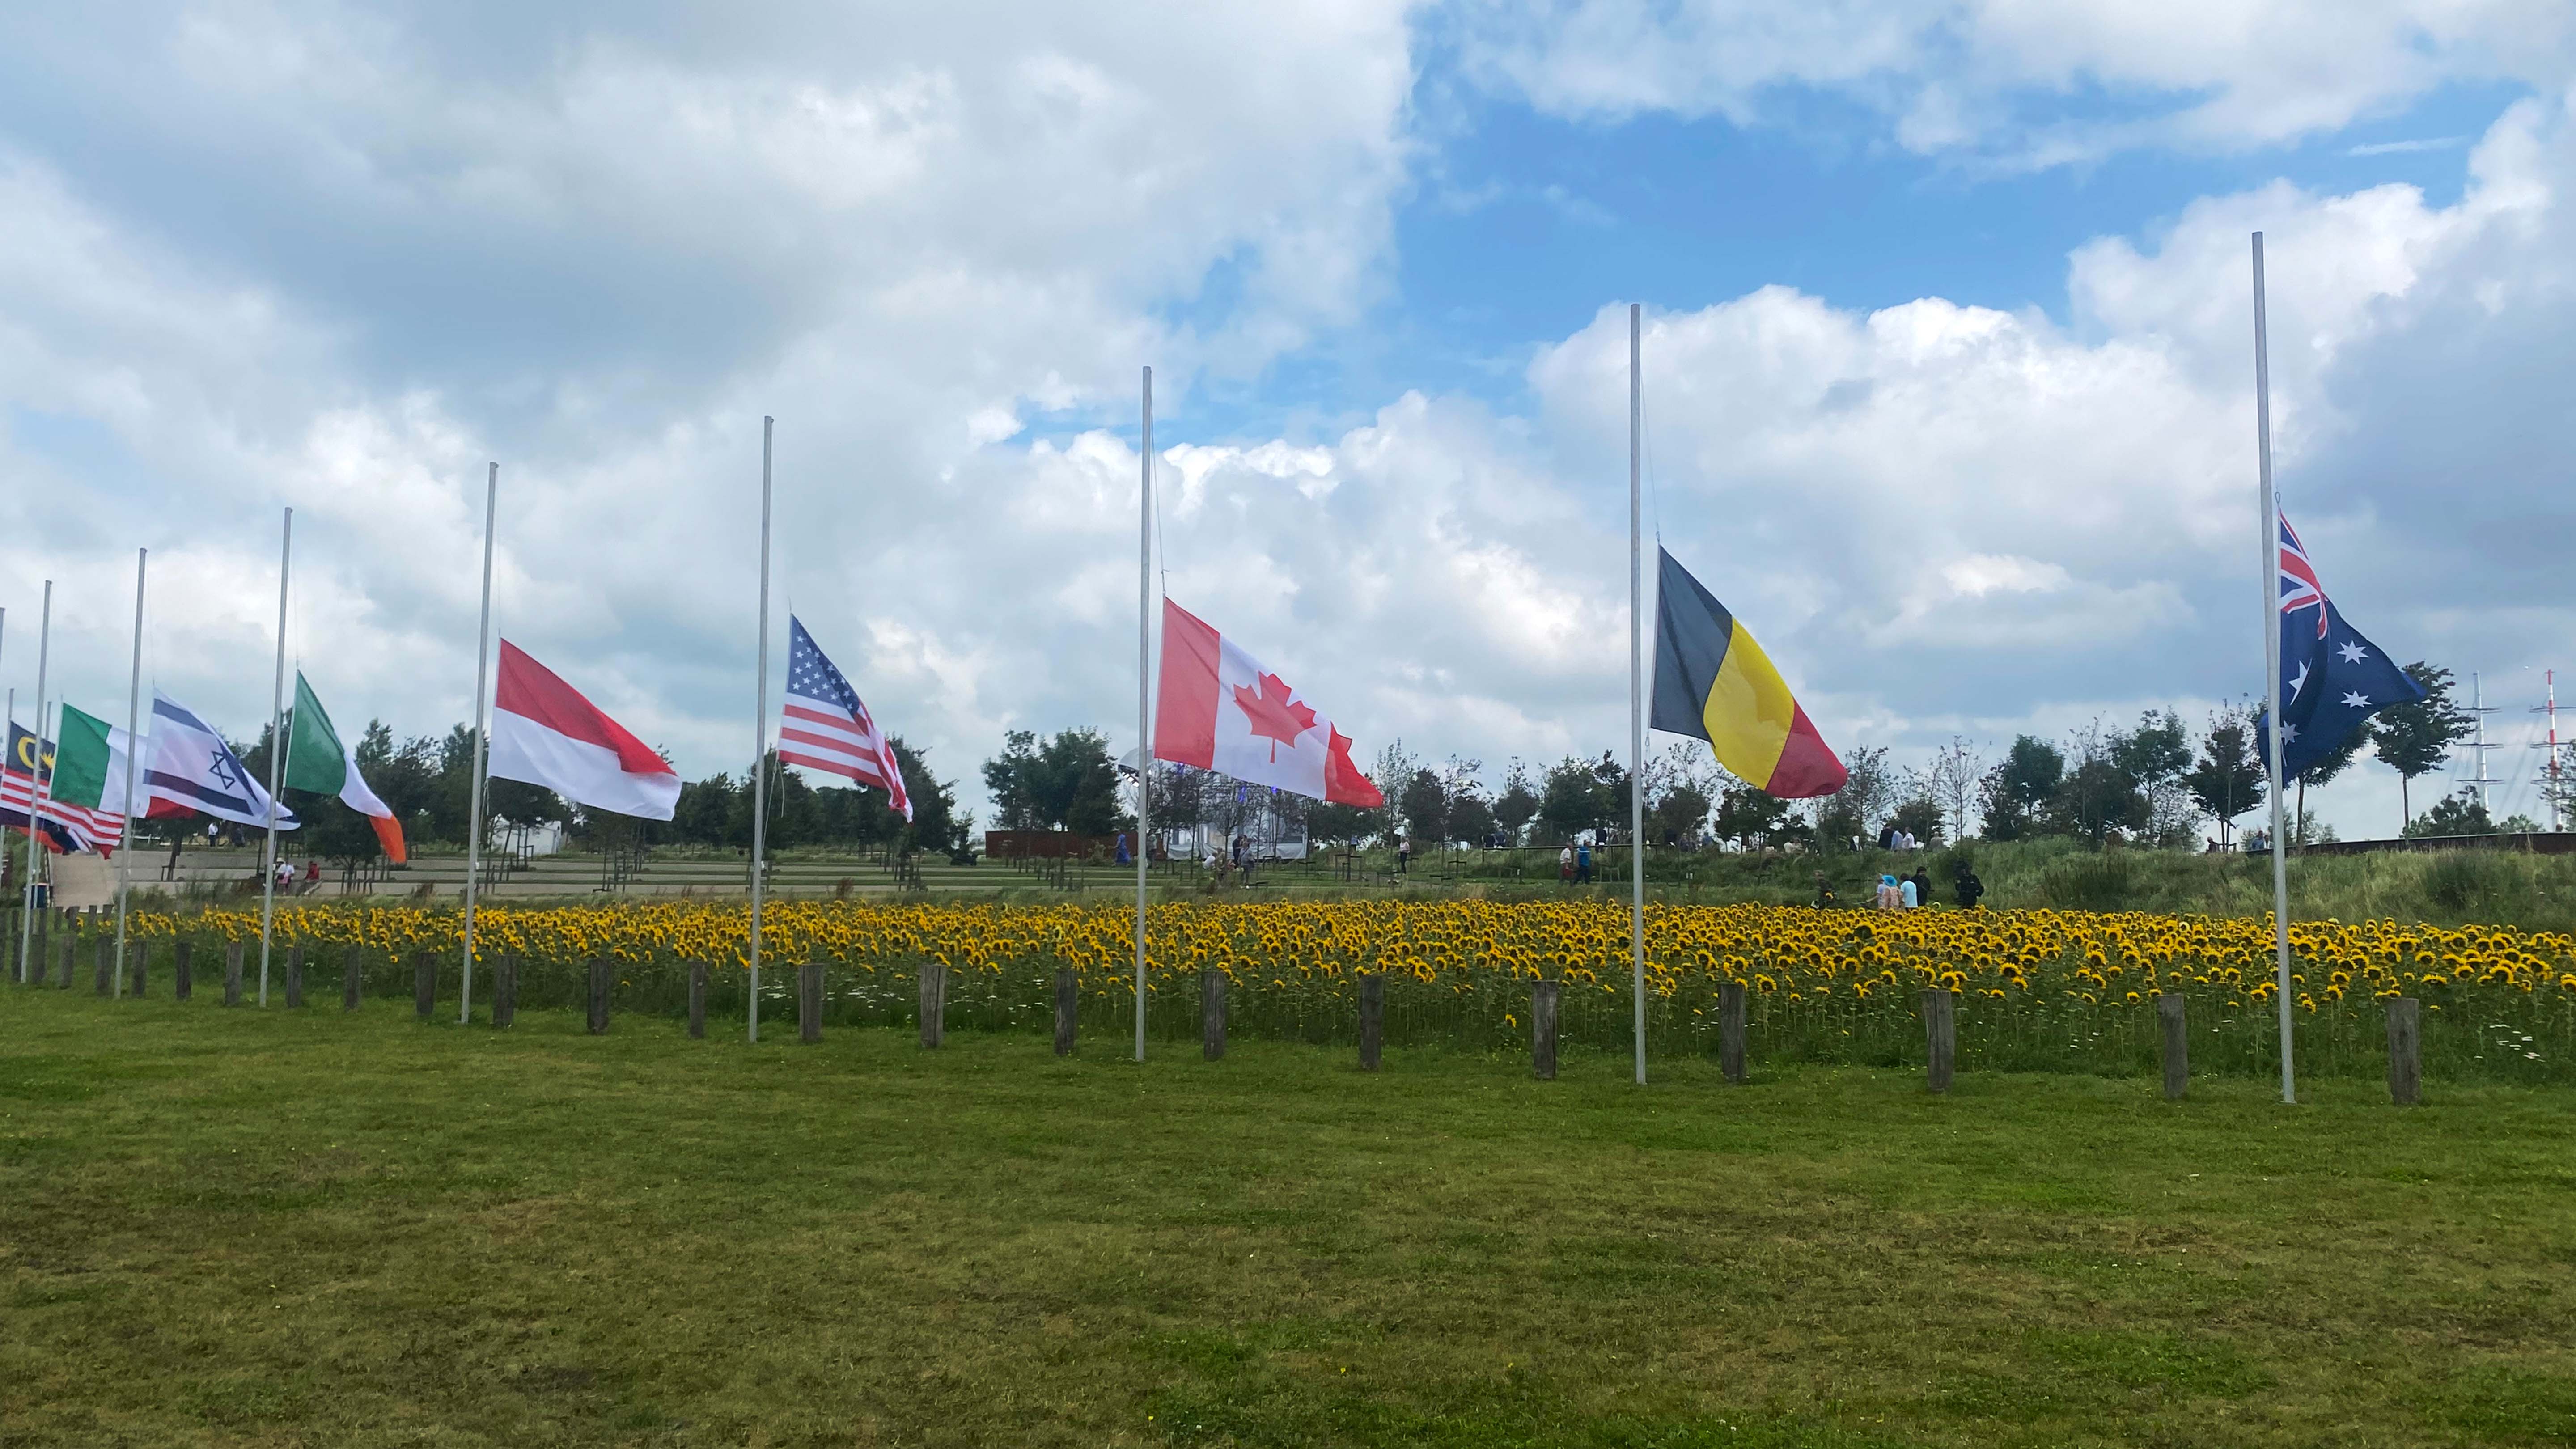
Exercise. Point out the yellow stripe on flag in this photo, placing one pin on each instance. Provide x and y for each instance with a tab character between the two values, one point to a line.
1749	711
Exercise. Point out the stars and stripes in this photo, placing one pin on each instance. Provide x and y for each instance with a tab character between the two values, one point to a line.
66	827
827	728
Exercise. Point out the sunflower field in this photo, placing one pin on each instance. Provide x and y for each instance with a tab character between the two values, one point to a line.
2037	990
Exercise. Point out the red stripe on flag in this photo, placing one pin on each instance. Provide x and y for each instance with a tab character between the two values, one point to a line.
533	692
1185	704
1807	766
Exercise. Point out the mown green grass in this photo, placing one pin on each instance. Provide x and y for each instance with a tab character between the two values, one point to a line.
237	1227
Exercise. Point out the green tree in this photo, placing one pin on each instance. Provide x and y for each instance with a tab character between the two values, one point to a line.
2012	793
1068	782
2414	736
2460	814
1518	804
2227	779
1919	817
1751	818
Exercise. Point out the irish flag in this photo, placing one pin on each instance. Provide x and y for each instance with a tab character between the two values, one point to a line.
545	733
1219	709
83	804
317	760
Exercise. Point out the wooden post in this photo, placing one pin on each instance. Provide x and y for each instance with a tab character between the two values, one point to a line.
1730	1031
350	979
2169	1014
134	974
182	979
1941	1027
809	1000
1372	1019
106	971
424	984
1068	997
71	948
934	1003
2406	1051
1211	1014
505	991
599	996
697	1000
232	973
1543	996
295	976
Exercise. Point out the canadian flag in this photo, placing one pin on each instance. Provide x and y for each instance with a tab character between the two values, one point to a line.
545	733
1219	709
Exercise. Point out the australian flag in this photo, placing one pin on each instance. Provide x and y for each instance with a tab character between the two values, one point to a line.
2332	679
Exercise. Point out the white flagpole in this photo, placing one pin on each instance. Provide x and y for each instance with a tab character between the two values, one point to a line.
36	780
1144	664
2271	576
1636	686
482	692
276	755
133	718
760	730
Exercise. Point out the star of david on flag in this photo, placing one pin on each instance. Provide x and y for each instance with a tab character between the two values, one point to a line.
2332	679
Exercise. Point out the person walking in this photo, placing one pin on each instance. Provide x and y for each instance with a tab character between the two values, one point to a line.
1565	865
1888	897
1967	887
1583	862
1906	899
1922	883
1121	855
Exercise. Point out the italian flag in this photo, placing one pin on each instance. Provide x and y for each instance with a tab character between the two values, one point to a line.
317	760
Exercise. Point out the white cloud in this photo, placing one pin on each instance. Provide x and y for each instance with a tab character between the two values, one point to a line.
341	263
2032	82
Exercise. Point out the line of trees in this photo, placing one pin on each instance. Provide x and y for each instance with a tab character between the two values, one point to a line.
2157	781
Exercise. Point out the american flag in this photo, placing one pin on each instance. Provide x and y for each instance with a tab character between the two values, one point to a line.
2299	586
67	827
828	729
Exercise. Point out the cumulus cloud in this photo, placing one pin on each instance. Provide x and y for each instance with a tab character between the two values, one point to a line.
2027	83
338	259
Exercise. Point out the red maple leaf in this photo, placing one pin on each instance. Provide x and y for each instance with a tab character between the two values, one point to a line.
1278	717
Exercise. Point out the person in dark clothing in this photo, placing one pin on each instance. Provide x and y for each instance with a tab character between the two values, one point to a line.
1824	892
1968	888
1922	886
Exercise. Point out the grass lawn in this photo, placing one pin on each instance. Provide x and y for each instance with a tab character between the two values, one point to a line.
230	1227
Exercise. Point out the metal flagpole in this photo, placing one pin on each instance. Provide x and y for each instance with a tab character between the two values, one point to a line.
1144	724
35	788
482	693
1636	689
133	717
2271	575
760	730
276	755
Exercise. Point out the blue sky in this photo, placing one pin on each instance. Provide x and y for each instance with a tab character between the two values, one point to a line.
1946	367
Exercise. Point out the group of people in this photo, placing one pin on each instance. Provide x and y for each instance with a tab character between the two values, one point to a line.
1905	892
1896	837
1574	862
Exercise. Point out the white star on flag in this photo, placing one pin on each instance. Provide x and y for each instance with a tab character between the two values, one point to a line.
2354	653
2355	699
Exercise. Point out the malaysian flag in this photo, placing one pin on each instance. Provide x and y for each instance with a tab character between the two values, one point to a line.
828	729
66	827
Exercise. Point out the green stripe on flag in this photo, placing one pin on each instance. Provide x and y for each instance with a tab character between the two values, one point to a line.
315	759
80	760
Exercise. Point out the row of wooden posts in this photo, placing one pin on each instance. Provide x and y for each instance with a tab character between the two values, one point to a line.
1940	1011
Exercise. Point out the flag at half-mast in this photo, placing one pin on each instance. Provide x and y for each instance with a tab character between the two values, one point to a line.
545	733
1217	708
827	728
83	821
1712	682
318	761
2332	679
188	765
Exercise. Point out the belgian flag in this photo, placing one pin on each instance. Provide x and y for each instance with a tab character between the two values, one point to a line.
1712	682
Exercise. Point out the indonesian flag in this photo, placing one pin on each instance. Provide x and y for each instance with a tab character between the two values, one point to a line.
544	733
1219	709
